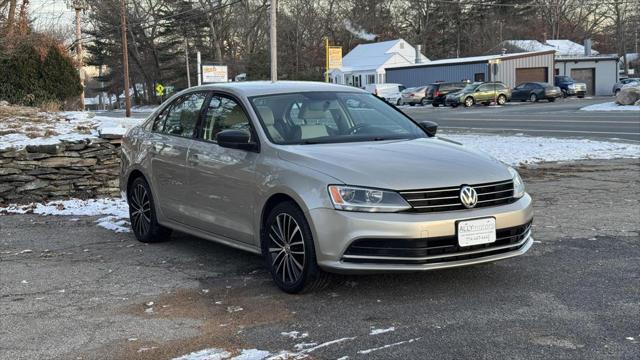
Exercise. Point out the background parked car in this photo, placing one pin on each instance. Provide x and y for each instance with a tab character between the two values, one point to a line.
437	93
622	82
415	95
535	91
480	93
389	92
569	86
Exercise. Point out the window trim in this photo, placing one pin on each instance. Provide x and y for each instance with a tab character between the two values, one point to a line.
198	132
170	105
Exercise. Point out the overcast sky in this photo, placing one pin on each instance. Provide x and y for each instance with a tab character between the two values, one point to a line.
52	15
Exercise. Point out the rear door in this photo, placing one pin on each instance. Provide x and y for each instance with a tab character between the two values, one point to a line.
173	132
484	93
222	181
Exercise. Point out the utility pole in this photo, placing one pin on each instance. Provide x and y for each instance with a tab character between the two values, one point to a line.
79	6
125	57
274	41
186	57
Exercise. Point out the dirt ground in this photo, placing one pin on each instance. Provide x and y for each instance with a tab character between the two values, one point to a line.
72	290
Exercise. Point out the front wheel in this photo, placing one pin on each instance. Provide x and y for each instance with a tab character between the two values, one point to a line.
552	99
287	246
468	102
142	213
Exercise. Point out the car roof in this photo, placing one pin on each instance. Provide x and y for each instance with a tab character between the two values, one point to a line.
256	88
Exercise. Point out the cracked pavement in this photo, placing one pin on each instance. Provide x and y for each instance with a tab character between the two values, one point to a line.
83	292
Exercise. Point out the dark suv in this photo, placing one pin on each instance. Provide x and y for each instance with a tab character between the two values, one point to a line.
437	93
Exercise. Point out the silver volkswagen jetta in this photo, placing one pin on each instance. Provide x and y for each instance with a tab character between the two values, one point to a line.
318	178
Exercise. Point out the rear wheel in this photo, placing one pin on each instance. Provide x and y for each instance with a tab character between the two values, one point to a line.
399	102
552	99
424	102
468	102
502	100
533	98
287	246
142	213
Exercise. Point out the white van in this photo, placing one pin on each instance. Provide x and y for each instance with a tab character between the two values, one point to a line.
389	92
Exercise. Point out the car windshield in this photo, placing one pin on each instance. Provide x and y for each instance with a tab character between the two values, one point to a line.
470	87
565	79
331	117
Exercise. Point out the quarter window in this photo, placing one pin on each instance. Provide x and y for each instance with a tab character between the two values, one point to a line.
181	117
223	113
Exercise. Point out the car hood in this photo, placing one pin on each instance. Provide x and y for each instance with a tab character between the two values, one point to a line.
399	165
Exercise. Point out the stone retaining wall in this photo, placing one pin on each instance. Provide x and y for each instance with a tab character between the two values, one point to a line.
80	169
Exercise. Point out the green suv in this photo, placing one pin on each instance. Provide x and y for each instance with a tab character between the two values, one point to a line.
480	93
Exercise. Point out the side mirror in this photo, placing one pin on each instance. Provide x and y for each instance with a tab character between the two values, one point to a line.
236	139
429	127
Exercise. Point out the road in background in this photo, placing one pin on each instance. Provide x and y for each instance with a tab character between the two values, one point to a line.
560	119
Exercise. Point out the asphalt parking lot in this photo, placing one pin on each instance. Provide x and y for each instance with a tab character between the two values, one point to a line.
562	118
72	290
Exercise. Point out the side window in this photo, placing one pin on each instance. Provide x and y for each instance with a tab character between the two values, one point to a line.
486	87
223	113
182	116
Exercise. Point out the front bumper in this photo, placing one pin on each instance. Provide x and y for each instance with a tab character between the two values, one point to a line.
334	231
452	102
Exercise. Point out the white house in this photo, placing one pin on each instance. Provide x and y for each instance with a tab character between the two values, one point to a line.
366	63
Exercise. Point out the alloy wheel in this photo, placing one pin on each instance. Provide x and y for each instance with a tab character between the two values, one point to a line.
501	100
468	102
286	248
533	98
140	210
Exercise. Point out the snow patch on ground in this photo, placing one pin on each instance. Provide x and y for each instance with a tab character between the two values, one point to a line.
610	106
381	331
39	128
220	354
115	211
516	150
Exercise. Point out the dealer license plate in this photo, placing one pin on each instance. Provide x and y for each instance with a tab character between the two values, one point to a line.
476	232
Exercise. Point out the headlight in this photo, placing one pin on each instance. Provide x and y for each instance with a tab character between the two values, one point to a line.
352	198
518	184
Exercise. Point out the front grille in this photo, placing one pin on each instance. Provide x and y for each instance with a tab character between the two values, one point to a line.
432	250
447	199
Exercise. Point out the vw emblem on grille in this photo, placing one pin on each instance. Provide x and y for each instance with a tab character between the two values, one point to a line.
468	196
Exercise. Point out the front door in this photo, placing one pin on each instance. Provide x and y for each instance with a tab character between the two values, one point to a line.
222	181
173	132
485	93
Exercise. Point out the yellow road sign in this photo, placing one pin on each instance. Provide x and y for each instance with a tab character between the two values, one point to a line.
159	89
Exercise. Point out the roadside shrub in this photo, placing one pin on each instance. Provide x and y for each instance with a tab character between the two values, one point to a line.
27	77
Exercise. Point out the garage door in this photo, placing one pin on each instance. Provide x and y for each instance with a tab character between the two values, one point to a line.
586	76
531	75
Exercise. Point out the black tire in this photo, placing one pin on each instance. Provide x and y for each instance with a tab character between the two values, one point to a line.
469	102
552	99
286	234
617	92
424	102
533	98
502	100
564	93
435	104
399	102
580	96
142	213
412	104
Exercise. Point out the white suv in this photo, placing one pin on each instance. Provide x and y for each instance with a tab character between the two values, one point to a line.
388	92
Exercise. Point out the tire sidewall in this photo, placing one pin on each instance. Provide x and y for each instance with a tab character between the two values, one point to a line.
149	236
310	268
